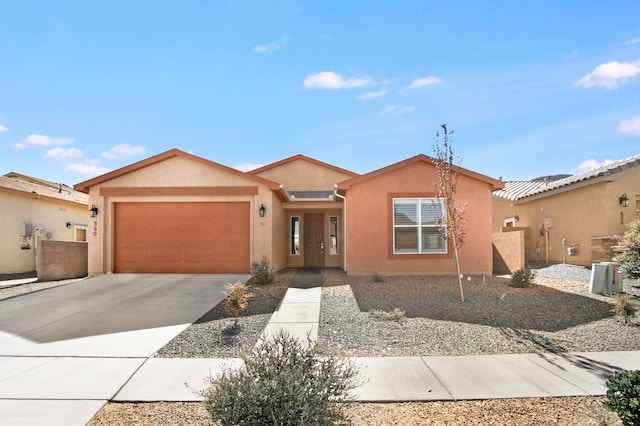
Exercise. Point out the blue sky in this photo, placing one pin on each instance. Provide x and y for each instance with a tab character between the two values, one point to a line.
530	88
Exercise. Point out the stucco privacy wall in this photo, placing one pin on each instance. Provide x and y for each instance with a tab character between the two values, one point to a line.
37	210
369	224
61	260
176	171
508	251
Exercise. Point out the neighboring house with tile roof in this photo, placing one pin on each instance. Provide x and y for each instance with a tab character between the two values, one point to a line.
34	210
572	219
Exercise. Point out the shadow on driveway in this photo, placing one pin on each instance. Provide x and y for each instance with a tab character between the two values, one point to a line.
111	304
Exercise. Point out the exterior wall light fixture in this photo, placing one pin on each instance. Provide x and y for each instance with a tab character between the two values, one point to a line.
69	224
93	211
624	200
262	210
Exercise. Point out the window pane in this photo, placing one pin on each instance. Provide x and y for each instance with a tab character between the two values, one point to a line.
406	240
333	235
295	235
432	241
432	212
405	212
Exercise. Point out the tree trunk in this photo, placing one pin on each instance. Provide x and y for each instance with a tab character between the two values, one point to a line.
455	254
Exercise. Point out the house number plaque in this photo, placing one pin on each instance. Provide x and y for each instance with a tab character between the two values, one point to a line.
95	229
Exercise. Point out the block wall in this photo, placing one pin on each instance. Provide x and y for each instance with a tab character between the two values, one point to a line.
61	260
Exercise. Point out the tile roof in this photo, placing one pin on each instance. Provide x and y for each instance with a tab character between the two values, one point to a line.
62	192
515	191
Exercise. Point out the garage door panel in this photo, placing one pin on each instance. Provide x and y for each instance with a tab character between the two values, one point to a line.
182	237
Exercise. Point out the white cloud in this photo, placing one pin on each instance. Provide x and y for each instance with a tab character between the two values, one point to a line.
630	127
3	128
89	167
632	41
372	95
331	80
247	167
63	155
262	48
123	151
609	75
424	81
396	110
41	140
590	165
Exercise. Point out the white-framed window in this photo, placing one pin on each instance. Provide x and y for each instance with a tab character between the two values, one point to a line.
80	233
294	235
333	235
418	226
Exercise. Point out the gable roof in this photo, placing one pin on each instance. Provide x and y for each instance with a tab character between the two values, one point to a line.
515	191
303	158
26	184
420	158
86	185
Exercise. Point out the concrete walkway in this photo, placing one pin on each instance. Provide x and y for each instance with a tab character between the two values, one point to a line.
49	384
299	310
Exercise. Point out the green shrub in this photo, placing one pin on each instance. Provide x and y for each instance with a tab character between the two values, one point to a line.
522	278
395	315
624	307
377	278
623	396
282	382
237	299
262	271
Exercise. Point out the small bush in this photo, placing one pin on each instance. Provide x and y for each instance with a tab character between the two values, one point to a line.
624	307
628	251
623	396
282	382
522	278
262	271
237	299
377	278
395	315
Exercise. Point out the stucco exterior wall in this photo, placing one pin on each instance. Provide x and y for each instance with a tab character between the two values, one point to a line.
577	215
45	212
369	225
304	175
174	172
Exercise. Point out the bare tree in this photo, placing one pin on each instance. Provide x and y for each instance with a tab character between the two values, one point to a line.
454	225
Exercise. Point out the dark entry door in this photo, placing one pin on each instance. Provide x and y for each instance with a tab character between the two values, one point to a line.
313	240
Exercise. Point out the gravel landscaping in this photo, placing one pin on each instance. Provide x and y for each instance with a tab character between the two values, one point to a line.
556	315
494	319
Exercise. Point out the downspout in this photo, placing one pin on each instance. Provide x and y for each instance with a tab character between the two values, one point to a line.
344	221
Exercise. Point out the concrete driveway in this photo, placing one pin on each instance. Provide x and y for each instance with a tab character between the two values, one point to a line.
120	315
67	350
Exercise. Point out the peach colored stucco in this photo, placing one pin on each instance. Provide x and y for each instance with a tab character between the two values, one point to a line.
369	222
363	220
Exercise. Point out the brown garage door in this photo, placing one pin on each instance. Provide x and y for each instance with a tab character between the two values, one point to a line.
194	238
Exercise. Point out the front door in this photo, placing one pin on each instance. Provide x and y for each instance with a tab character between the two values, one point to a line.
313	240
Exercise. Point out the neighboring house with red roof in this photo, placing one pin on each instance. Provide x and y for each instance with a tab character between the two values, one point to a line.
179	213
34	210
572	218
